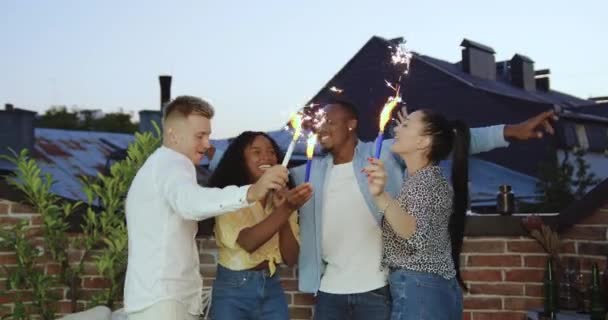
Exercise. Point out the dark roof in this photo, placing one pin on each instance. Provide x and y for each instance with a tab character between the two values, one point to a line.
502	87
597	109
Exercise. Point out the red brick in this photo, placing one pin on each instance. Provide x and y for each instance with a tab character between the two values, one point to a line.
585	233
289	285
481	275
525	246
53	269
208	271
6	270
494	261
499	315
467	316
94	283
83	294
286	272
535	261
5	311
9	221
8	259
208	244
491	246
5	298
207	258
18	208
599	217
89	269
75	254
567	246
300	313
501	289
534	290
34	232
593	249
477	303
208	282
36	220
522	304
303	299
3	208
524	275
587	263
65	307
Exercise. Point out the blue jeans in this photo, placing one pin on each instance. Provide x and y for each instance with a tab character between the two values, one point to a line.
371	305
247	295
421	296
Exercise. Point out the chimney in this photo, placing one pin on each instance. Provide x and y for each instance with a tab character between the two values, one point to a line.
522	72
541	77
478	60
165	90
16	130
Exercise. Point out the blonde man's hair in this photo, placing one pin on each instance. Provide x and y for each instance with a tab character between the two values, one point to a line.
183	106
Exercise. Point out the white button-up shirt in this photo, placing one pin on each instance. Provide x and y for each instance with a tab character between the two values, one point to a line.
163	206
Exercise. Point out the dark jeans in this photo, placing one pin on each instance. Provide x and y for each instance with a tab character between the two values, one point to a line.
421	296
371	305
247	295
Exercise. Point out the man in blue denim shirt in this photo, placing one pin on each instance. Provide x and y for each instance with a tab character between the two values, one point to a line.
340	235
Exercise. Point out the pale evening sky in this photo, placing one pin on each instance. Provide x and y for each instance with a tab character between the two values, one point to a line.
258	60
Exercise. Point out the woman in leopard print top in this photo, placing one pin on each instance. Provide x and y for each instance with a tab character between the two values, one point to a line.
423	227
427	196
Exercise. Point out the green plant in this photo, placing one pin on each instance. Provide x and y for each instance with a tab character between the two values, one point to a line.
27	178
104	232
27	275
560	183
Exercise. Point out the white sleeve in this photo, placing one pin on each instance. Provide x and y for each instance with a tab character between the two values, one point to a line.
177	184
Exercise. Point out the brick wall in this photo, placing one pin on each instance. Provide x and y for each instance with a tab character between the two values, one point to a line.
91	283
504	274
11	212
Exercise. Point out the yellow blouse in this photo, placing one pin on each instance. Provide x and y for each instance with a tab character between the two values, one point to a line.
227	229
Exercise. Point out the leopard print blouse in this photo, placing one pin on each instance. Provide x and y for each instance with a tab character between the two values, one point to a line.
427	196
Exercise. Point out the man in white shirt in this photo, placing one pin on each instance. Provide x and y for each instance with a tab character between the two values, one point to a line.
163	206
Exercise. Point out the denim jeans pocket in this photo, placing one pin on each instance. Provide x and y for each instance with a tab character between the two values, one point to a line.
432	282
230	280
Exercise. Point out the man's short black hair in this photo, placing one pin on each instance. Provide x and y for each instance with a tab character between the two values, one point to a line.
347	105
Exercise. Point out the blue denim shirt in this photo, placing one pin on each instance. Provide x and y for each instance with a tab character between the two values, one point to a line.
310	263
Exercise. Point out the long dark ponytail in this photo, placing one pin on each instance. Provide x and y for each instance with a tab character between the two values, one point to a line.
460	184
452	137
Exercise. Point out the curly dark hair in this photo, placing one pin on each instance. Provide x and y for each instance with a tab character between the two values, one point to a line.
232	168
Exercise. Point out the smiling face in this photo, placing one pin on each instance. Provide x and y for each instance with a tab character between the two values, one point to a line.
259	156
338	128
190	136
410	136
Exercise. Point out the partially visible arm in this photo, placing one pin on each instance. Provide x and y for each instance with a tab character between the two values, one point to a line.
413	225
177	184
285	203
255	236
487	138
402	222
288	241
